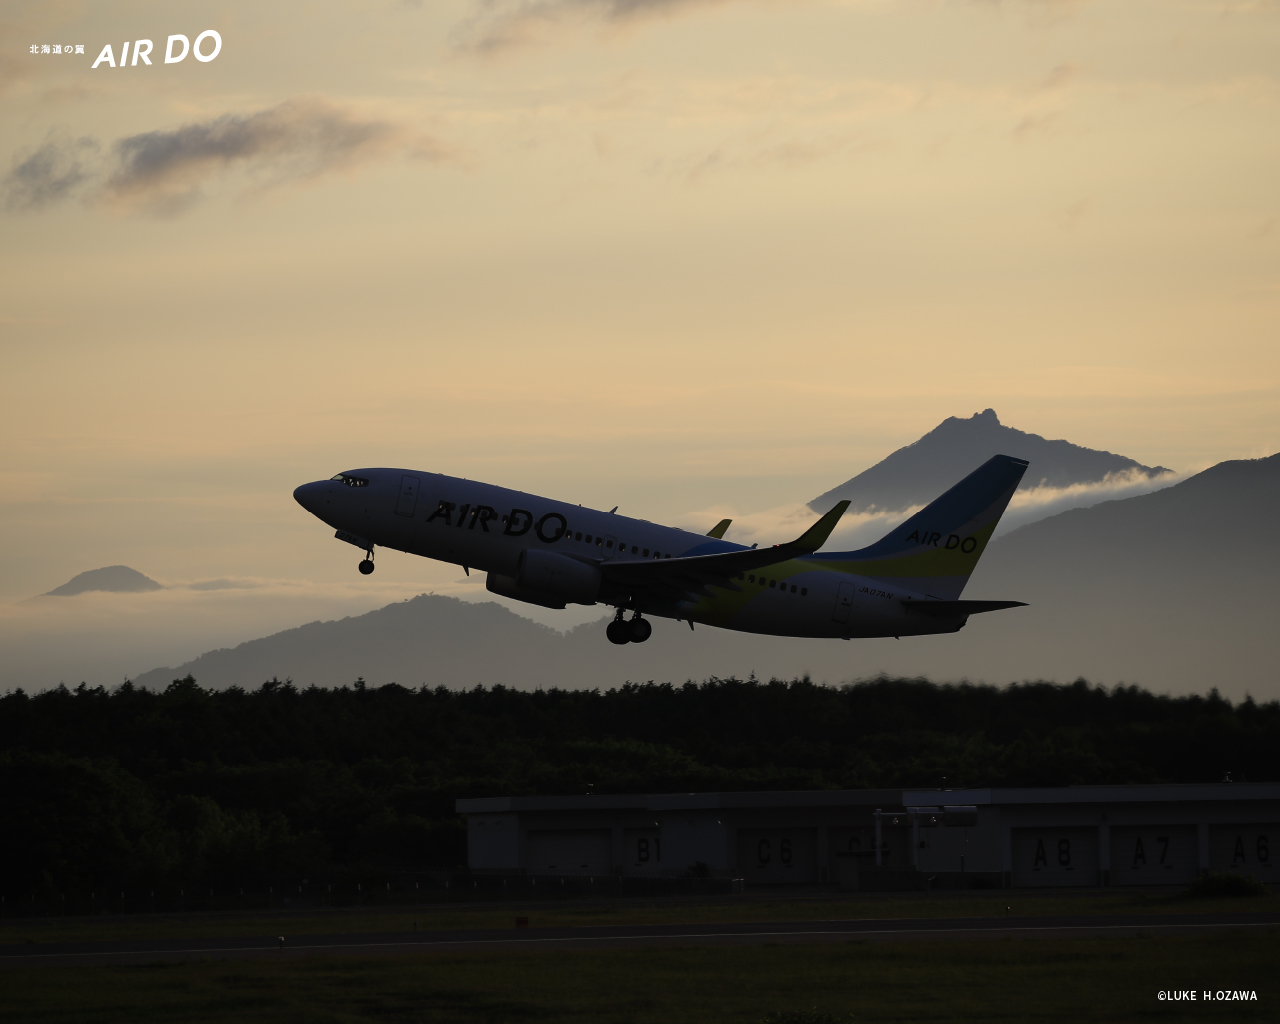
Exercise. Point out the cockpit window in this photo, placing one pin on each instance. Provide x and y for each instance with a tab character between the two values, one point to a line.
349	480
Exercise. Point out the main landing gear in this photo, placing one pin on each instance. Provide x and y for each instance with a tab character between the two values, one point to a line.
636	631
366	566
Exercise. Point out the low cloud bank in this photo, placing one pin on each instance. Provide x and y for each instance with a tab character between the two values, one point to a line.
166	171
101	637
856	530
1042	502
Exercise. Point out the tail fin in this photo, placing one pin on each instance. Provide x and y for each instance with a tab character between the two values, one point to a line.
935	551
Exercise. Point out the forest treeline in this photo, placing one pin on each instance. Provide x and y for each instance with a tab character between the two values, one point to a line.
190	785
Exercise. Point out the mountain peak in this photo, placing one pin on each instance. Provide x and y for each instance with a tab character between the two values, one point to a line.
113	578
922	470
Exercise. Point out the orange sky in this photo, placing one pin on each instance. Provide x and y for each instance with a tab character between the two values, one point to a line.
672	255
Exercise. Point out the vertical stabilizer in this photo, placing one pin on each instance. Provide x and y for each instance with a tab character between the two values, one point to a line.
935	551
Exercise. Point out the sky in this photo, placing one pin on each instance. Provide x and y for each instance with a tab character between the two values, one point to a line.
692	258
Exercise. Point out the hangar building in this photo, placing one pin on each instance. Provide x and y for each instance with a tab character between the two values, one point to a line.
1075	836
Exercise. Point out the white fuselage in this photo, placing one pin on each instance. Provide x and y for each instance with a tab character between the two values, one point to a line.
482	526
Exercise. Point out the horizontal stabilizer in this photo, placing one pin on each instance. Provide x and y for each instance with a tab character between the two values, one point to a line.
959	607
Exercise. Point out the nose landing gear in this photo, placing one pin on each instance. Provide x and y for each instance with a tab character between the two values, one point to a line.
620	631
366	566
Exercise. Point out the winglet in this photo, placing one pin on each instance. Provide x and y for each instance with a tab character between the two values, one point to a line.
814	537
719	529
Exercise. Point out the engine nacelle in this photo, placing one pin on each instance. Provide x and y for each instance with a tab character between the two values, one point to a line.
505	586
558	577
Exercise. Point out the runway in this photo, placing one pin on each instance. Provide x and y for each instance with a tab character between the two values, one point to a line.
507	939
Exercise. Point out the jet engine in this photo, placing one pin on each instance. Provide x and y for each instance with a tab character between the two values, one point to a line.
548	579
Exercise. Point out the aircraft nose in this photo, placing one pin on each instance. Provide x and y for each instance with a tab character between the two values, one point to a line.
309	496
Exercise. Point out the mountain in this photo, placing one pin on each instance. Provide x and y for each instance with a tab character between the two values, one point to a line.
1174	590
115	578
428	639
443	641
918	473
1216	524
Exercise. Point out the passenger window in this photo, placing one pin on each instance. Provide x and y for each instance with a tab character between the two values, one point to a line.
793	588
578	535
609	545
751	579
773	583
646	552
633	549
588	538
804	591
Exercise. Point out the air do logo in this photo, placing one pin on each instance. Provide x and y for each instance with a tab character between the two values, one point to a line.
208	44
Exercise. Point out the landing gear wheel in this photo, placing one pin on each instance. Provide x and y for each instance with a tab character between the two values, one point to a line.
639	629
618	632
366	566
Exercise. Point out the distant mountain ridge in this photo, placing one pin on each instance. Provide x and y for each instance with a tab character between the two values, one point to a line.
426	639
118	579
1174	589
920	471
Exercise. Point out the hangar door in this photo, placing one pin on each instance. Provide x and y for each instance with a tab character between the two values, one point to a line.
895	846
1055	856
773	856
1246	850
569	851
1153	855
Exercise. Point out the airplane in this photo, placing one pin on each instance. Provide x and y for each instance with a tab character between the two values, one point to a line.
554	553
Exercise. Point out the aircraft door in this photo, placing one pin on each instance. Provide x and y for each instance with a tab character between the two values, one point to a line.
408	500
844	603
610	548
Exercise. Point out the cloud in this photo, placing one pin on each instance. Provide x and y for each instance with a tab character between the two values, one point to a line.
102	637
1058	77
1033	124
858	530
1036	503
58	169
756	152
499	25
166	171
224	583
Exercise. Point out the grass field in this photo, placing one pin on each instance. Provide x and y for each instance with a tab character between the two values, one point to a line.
715	910
996	980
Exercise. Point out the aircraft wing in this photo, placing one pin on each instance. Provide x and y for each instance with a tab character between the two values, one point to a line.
699	572
959	607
